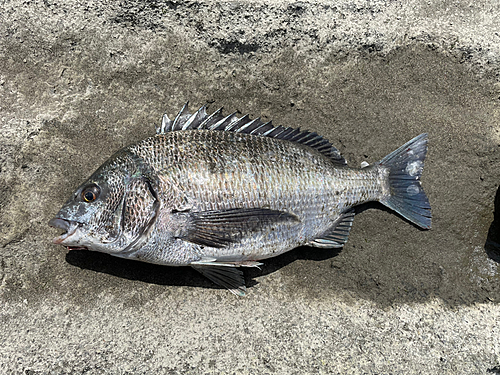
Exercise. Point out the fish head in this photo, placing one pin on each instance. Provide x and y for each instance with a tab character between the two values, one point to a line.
112	212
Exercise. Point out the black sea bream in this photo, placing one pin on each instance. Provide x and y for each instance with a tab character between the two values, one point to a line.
217	193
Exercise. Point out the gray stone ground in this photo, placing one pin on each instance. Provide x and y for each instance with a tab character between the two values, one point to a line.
79	81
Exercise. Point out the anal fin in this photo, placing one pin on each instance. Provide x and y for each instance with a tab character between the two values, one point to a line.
338	235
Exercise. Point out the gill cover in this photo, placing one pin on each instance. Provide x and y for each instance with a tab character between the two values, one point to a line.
139	212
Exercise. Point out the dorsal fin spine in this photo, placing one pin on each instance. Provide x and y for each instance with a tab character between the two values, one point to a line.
247	128
222	124
177	125
202	121
214	117
195	118
166	124
274	132
252	127
262	129
234	126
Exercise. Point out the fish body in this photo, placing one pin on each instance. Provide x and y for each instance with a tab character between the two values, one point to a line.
217	193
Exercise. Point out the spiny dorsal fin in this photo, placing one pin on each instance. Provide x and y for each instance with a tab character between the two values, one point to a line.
201	120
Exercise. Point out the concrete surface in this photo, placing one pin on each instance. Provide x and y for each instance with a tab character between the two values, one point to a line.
79	81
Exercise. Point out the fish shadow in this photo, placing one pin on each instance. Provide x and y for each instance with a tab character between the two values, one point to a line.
184	276
492	244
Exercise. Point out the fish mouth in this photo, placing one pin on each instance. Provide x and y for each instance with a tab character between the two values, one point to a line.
69	228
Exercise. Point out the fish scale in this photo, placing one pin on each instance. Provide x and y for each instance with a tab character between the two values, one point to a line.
301	181
217	193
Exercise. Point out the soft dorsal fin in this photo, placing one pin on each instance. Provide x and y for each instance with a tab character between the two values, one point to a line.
216	121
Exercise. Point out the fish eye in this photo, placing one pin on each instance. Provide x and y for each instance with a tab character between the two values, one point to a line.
91	193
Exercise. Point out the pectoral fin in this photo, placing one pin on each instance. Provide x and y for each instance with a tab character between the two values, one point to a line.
221	228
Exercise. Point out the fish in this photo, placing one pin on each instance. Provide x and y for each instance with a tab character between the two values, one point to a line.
218	193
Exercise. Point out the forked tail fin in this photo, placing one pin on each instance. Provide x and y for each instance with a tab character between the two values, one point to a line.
406	195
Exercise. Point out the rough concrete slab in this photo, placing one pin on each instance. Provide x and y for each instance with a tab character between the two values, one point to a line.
79	81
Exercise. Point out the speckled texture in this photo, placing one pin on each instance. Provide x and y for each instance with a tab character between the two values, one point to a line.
208	171
79	81
167	199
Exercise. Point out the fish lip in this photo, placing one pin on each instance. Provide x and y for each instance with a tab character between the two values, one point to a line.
68	226
60	223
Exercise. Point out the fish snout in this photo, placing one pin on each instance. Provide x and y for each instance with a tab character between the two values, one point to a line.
69	228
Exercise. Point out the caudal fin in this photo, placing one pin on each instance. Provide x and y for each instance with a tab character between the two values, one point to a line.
406	195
